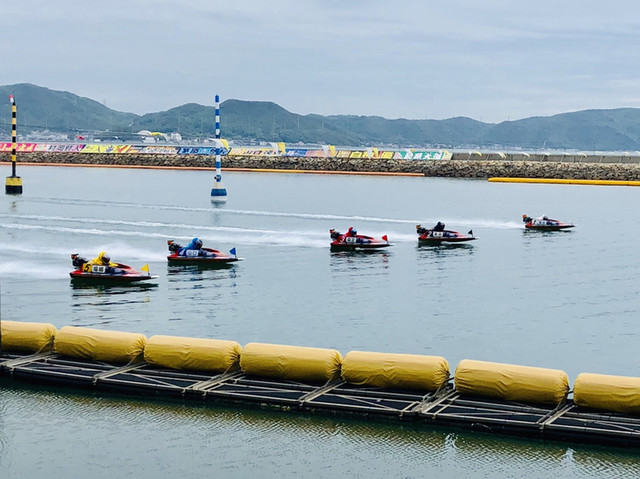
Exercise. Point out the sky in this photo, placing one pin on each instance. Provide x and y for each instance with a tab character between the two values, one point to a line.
492	60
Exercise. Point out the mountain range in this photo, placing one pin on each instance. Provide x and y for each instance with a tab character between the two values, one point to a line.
254	121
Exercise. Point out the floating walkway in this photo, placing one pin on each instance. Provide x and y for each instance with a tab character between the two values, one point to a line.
562	181
488	397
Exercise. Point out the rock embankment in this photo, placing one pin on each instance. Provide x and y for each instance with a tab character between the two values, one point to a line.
458	167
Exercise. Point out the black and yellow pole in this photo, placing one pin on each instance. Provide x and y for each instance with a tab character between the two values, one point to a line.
13	185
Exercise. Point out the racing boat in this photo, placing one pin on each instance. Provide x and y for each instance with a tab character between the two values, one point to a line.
437	237
352	241
545	223
200	256
107	273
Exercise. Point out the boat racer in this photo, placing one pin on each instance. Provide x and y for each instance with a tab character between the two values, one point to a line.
195	245
103	259
194	248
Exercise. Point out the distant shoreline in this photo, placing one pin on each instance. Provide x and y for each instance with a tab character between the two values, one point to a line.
610	168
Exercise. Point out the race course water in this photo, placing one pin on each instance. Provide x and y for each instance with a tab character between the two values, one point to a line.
566	300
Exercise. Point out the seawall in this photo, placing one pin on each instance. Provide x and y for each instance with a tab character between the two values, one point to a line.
462	165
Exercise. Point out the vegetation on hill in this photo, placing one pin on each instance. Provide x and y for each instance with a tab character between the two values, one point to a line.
44	109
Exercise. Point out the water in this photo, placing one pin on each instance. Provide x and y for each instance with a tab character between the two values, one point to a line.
566	300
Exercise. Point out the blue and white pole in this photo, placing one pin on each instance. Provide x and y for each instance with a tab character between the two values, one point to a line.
218	192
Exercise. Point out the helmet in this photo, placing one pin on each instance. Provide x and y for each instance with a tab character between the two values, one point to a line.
418	227
199	243
106	259
354	231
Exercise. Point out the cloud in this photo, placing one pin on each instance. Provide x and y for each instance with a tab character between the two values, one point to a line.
492	60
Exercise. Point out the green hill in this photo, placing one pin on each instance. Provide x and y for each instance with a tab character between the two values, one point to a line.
44	109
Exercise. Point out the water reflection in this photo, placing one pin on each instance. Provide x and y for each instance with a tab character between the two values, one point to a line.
85	289
183	276
118	431
100	304
196	268
363	263
359	257
452	249
530	234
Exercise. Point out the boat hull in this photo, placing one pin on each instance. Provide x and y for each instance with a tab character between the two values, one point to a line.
359	247
440	241
548	227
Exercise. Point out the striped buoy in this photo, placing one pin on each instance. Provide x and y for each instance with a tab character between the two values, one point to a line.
218	192
13	184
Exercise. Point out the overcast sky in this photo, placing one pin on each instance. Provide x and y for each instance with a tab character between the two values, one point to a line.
491	60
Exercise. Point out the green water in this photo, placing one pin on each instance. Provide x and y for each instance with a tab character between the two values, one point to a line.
566	300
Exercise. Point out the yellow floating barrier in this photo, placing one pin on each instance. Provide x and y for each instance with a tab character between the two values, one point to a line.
290	362
563	181
99	345
26	337
608	393
511	382
395	371
192	354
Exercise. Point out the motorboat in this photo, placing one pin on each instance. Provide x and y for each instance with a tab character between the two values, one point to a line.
352	241
436	236
544	223
199	255
87	271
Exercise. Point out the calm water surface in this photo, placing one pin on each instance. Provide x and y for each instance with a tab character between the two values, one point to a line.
566	300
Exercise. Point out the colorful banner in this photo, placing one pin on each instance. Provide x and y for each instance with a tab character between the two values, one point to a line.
59	148
403	155
105	148
432	155
253	152
299	153
20	147
159	150
135	149
201	150
211	150
315	154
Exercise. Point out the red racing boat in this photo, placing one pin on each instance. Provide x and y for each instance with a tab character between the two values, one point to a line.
199	256
107	273
352	241
545	223
437	237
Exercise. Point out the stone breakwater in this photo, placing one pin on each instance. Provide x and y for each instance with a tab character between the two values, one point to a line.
458	167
